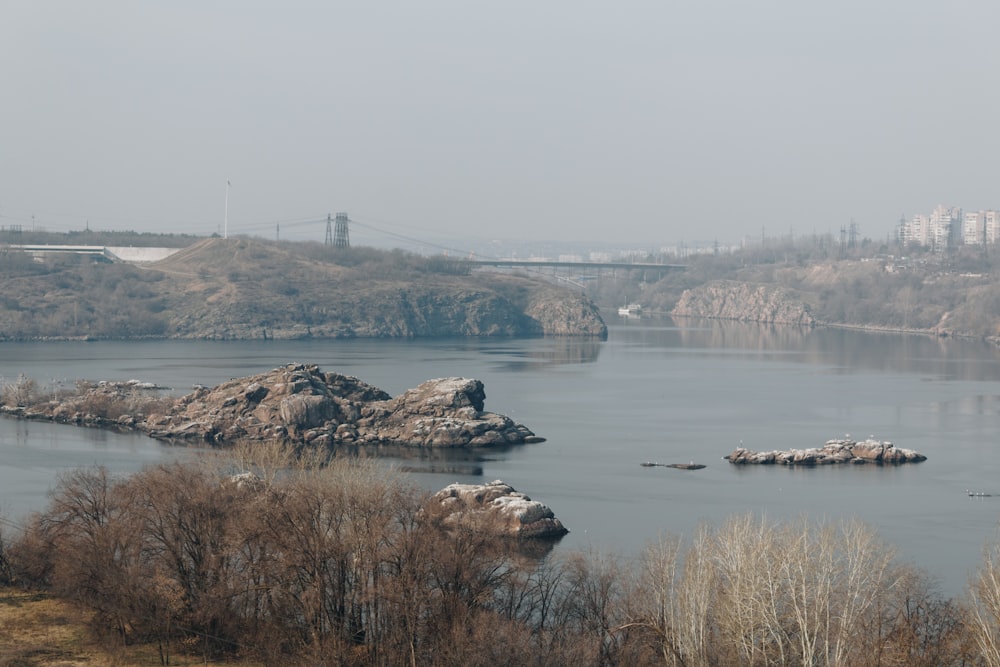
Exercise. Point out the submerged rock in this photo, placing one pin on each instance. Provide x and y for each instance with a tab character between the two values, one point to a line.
834	451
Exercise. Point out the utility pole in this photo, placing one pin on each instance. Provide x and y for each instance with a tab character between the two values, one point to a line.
225	220
329	231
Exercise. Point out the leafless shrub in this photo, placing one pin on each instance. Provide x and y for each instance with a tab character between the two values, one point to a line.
19	393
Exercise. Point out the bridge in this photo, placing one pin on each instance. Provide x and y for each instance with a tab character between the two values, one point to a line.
614	267
533	263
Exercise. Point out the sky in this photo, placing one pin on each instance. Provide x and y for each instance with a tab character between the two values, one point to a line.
628	122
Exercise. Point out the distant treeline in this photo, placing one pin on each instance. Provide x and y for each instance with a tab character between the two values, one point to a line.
346	564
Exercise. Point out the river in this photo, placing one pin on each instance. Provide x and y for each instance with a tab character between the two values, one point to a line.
655	390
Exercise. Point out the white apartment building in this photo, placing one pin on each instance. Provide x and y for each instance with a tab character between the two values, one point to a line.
946	227
916	231
974	228
992	226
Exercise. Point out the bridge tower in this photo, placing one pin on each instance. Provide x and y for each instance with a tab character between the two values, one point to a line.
340	232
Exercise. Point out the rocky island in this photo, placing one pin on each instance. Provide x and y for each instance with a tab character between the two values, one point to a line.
497	508
843	450
297	403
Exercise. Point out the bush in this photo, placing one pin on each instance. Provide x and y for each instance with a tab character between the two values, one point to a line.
20	393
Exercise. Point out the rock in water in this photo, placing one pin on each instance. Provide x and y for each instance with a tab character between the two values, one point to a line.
499	509
302	404
834	451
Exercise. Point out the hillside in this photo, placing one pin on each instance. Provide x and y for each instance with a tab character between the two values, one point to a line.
814	282
863	294
242	289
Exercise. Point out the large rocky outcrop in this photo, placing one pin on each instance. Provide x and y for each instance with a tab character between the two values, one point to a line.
834	451
561	314
744	302
301	404
497	508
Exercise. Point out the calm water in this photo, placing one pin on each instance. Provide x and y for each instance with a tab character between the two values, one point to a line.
654	391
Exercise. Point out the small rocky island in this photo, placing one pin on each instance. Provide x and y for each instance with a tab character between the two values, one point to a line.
834	451
297	403
498	509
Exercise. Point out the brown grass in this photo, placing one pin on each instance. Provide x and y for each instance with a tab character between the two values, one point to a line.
37	630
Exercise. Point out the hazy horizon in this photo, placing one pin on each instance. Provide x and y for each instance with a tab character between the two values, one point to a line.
638	122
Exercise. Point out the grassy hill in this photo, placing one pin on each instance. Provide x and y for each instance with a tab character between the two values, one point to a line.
245	288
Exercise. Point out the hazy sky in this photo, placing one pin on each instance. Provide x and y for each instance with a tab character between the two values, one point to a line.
647	122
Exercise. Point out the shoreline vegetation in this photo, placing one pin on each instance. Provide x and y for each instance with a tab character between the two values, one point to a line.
305	560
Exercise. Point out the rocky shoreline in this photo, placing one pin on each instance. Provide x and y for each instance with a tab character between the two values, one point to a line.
843	450
296	403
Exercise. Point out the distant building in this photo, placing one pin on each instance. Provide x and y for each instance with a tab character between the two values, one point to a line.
948	227
915	231
992	226
974	228
944	227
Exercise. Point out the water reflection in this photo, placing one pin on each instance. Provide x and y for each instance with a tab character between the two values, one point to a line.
466	461
848	351
724	335
516	356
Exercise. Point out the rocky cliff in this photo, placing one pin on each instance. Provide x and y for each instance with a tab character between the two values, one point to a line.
745	302
298	404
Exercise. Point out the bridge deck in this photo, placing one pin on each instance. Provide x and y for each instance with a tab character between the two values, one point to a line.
577	265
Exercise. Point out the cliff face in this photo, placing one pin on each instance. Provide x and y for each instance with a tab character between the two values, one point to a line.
373	311
744	302
562	314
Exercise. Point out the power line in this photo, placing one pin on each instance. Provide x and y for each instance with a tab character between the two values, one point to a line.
411	239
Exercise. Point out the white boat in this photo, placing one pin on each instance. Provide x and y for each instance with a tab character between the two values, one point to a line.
630	309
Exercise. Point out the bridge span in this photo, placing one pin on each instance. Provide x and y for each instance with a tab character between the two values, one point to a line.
534	263
614	267
561	270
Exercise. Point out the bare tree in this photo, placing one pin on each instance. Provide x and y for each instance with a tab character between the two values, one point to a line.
985	613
